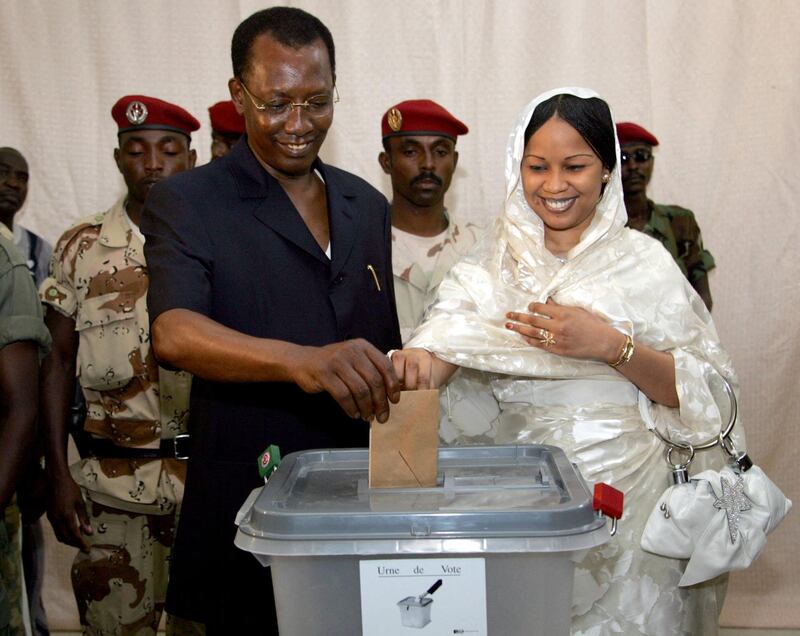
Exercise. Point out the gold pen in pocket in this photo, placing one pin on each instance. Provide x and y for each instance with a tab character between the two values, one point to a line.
374	276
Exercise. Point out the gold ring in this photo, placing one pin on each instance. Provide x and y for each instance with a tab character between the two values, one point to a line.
546	338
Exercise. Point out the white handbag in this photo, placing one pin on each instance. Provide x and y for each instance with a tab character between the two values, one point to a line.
718	520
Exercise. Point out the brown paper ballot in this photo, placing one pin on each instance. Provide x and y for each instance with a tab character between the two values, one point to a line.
403	452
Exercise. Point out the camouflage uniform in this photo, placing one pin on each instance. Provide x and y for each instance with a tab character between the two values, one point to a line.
414	290
99	279
10	573
38	253
10	579
20	319
466	403
678	231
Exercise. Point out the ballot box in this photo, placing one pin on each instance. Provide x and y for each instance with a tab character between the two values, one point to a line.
489	550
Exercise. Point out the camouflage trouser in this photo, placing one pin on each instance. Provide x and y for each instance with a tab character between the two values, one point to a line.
121	583
10	573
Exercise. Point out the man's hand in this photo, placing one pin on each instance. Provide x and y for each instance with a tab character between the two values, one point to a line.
358	376
66	511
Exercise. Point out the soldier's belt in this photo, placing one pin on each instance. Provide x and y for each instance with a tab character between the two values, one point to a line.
176	448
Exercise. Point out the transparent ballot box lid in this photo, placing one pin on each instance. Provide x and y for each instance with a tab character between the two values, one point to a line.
487	499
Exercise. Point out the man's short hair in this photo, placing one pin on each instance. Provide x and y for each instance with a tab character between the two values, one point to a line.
286	25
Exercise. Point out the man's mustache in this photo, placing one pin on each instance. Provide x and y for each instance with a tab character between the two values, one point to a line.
426	175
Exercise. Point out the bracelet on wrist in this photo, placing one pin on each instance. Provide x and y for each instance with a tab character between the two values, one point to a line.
625	354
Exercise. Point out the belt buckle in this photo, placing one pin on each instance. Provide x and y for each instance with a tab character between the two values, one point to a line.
181	446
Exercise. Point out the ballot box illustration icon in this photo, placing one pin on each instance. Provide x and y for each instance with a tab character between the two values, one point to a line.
415	611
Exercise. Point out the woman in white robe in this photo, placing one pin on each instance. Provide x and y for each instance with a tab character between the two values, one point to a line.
586	330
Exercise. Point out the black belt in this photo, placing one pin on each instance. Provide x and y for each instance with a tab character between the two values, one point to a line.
175	448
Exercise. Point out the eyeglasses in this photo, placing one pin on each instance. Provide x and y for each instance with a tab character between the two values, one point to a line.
317	106
641	155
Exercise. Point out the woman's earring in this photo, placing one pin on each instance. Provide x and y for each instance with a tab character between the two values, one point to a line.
606	177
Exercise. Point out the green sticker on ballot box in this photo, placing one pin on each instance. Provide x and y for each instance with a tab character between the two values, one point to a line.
268	461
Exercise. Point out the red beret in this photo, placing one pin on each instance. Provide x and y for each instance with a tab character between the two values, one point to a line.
628	132
225	119
420	117
139	112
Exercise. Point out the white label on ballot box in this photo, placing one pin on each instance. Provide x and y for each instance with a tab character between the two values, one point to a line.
401	597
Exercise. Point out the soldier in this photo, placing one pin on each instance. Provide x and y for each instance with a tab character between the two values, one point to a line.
674	226
227	125
36	252
118	504
419	154
14	175
23	340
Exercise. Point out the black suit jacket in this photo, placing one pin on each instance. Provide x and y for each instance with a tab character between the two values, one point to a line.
224	240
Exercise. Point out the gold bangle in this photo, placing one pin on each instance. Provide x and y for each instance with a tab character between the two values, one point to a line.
625	354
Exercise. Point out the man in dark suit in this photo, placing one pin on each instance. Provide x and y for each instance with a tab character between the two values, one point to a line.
271	282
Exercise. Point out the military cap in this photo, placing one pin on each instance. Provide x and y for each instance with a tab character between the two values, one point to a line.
225	119
628	132
139	112
420	117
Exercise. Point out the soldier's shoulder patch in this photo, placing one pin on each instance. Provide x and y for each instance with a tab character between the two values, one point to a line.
53	294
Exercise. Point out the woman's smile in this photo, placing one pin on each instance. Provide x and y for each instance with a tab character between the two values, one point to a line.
558	205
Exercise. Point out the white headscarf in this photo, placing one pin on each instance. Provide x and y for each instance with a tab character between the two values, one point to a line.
524	230
622	275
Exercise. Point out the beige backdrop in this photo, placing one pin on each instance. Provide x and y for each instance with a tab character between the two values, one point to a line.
716	81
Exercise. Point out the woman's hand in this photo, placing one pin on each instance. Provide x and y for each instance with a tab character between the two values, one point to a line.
567	331
577	333
419	369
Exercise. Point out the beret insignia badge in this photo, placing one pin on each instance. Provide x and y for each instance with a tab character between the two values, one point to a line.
395	119
136	113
